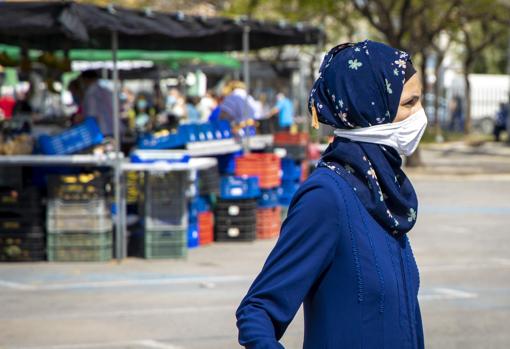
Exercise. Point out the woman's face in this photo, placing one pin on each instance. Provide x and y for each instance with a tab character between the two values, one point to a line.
410	100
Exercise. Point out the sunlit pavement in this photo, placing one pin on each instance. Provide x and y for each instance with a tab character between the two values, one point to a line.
461	242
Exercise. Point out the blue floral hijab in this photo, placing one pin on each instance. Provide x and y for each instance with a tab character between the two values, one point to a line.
360	85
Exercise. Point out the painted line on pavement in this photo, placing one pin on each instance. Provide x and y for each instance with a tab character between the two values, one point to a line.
441	293
142	343
199	280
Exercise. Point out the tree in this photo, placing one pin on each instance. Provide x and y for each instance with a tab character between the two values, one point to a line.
482	24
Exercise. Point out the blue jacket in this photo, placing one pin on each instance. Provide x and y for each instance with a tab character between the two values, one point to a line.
358	284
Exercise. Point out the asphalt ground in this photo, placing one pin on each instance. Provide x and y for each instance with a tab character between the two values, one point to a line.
461	243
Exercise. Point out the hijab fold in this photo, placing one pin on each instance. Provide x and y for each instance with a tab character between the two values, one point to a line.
360	85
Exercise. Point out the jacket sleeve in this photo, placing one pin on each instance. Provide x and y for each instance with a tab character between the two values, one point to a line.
306	247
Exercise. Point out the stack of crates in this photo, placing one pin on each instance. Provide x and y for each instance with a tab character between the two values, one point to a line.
78	218
268	215
21	225
165	214
236	220
201	222
267	168
293	173
236	210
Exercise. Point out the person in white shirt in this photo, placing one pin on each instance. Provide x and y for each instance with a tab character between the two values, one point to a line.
97	102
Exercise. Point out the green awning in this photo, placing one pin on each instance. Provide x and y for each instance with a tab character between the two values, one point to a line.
170	58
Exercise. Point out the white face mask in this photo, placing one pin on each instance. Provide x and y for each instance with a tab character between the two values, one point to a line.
404	136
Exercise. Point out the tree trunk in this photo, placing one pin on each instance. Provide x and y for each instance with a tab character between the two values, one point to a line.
467	104
437	97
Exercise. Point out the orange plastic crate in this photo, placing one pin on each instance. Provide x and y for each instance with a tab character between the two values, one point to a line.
268	222
266	167
205	228
287	138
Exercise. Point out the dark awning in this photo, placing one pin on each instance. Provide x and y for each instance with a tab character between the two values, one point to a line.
50	25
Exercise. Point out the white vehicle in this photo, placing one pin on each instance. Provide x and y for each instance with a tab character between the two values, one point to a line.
487	92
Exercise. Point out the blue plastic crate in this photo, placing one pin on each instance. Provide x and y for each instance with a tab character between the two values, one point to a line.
197	205
233	188
189	133
72	140
193	236
162	141
291	170
268	198
227	163
222	129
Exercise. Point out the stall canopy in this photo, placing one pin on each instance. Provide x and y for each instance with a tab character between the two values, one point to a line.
170	58
66	25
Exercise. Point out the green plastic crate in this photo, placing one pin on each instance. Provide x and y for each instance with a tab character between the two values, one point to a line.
166	244
177	236
80	254
164	251
79	239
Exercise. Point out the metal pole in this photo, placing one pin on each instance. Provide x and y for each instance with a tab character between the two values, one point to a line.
119	228
246	78
508	73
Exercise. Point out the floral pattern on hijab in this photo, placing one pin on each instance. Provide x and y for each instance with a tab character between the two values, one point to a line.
360	85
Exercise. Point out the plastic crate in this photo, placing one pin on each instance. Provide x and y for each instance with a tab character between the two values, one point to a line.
162	140
77	187
83	223
161	185
235	208
265	166
168	213
166	244
226	233
17	254
268	222
26	198
291	169
227	163
19	222
196	206
205	228
63	208
193	236
268	198
208	181
80	254
73	140
235	188
79	239
287	138
221	129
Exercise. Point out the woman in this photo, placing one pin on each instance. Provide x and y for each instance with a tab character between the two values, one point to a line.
343	250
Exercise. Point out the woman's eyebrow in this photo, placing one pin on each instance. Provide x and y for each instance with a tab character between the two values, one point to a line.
410	98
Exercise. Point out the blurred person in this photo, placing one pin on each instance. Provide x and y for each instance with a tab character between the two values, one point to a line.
206	105
343	251
143	113
97	102
237	106
284	109
192	112
77	93
501	121
456	114
7	103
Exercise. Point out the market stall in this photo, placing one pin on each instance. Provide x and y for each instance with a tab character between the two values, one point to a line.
68	25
